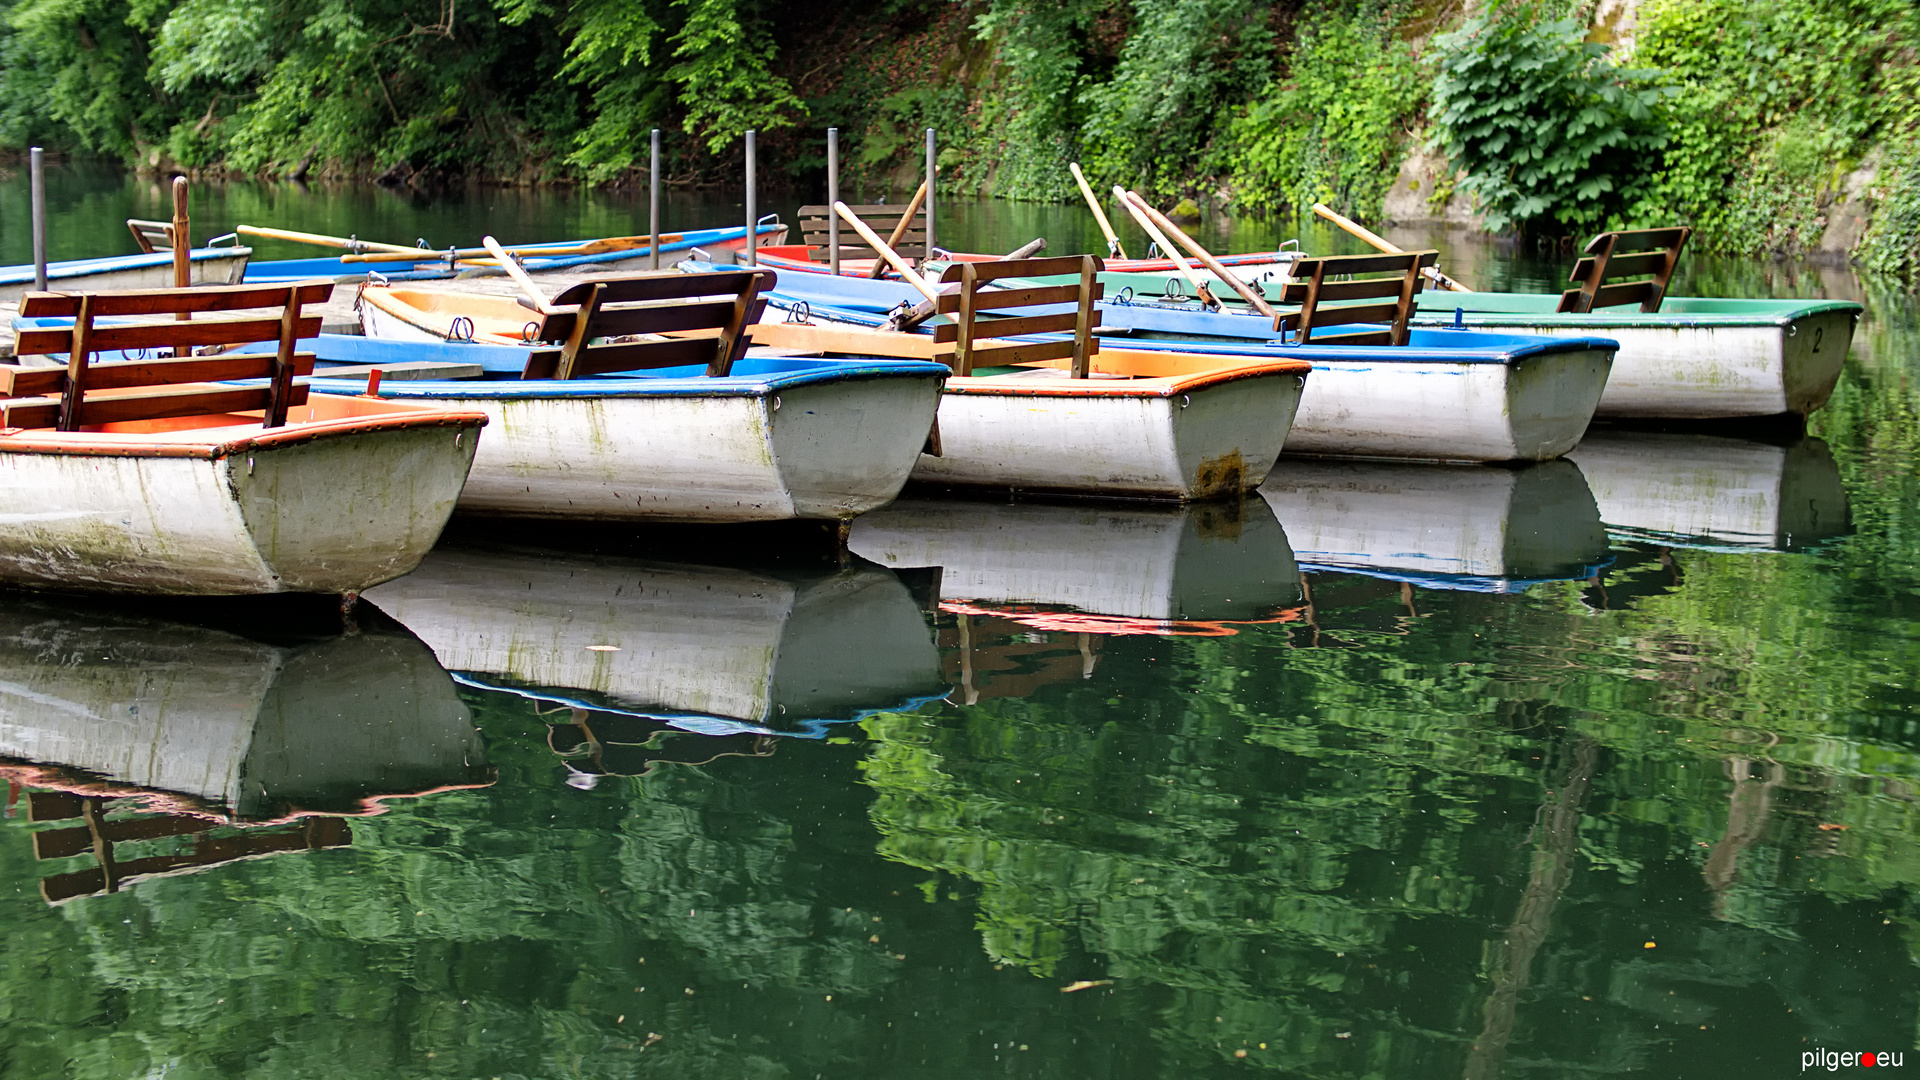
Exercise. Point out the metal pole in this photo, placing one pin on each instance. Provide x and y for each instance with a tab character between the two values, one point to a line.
753	226
39	186
653	202
833	196
930	172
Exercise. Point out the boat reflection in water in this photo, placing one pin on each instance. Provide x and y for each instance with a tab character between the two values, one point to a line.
1710	491
204	742
1470	527
1030	590
623	648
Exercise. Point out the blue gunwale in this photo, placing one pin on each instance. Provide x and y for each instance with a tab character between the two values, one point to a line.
70	268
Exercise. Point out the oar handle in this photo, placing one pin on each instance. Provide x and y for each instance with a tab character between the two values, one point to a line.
1433	273
1220	271
322	241
519	275
1099	215
1166	245
907	273
900	227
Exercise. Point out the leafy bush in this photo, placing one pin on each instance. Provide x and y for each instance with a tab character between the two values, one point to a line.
1546	128
1325	132
1892	243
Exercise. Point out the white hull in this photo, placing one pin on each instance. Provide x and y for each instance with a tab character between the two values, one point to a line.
242	728
1214	441
824	451
1704	490
1531	409
1706	372
767	650
1446	526
332	513
1219	561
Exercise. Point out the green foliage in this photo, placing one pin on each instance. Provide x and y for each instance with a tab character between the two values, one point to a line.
1185	65
726	86
1548	130
1040	49
1777	99
1892	244
1326	131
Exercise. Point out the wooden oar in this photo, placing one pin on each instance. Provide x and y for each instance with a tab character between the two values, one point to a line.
1166	245
327	241
900	228
1248	294
585	247
1432	273
519	275
1099	215
922	311
907	273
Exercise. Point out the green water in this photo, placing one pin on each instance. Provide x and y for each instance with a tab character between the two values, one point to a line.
1506	792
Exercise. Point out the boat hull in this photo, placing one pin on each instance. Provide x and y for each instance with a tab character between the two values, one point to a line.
1697	359
1203	439
1530	408
825	448
217	266
331	509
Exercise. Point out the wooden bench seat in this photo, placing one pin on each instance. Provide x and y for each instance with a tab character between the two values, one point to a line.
86	393
815	222
966	303
1330	292
681	320
1648	256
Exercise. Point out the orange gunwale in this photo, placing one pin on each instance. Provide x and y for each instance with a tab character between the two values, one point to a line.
214	436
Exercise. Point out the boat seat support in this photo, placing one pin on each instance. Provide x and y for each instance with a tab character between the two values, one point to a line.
1648	256
1330	292
648	321
971	347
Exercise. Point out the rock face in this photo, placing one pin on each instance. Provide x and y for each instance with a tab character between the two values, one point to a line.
1849	212
1422	173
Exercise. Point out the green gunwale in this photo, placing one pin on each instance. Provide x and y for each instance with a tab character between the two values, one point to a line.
1537	309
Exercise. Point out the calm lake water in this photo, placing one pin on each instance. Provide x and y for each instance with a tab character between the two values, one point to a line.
1608	766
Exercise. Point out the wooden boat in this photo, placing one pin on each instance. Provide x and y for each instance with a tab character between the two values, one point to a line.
687	429
1094	567
1468	527
146	476
211	264
1708	491
1392	392
1067	414
614	254
708	649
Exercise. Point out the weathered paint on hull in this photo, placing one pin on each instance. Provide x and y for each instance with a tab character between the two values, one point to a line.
1530	409
769	650
824	451
225	267
1216	561
240	728
1710	491
1704	372
336	513
1444	526
1210	442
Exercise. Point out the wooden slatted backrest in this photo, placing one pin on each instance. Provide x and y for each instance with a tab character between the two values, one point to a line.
152	236
966	303
1648	256
1327	301
654	303
77	395
883	217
